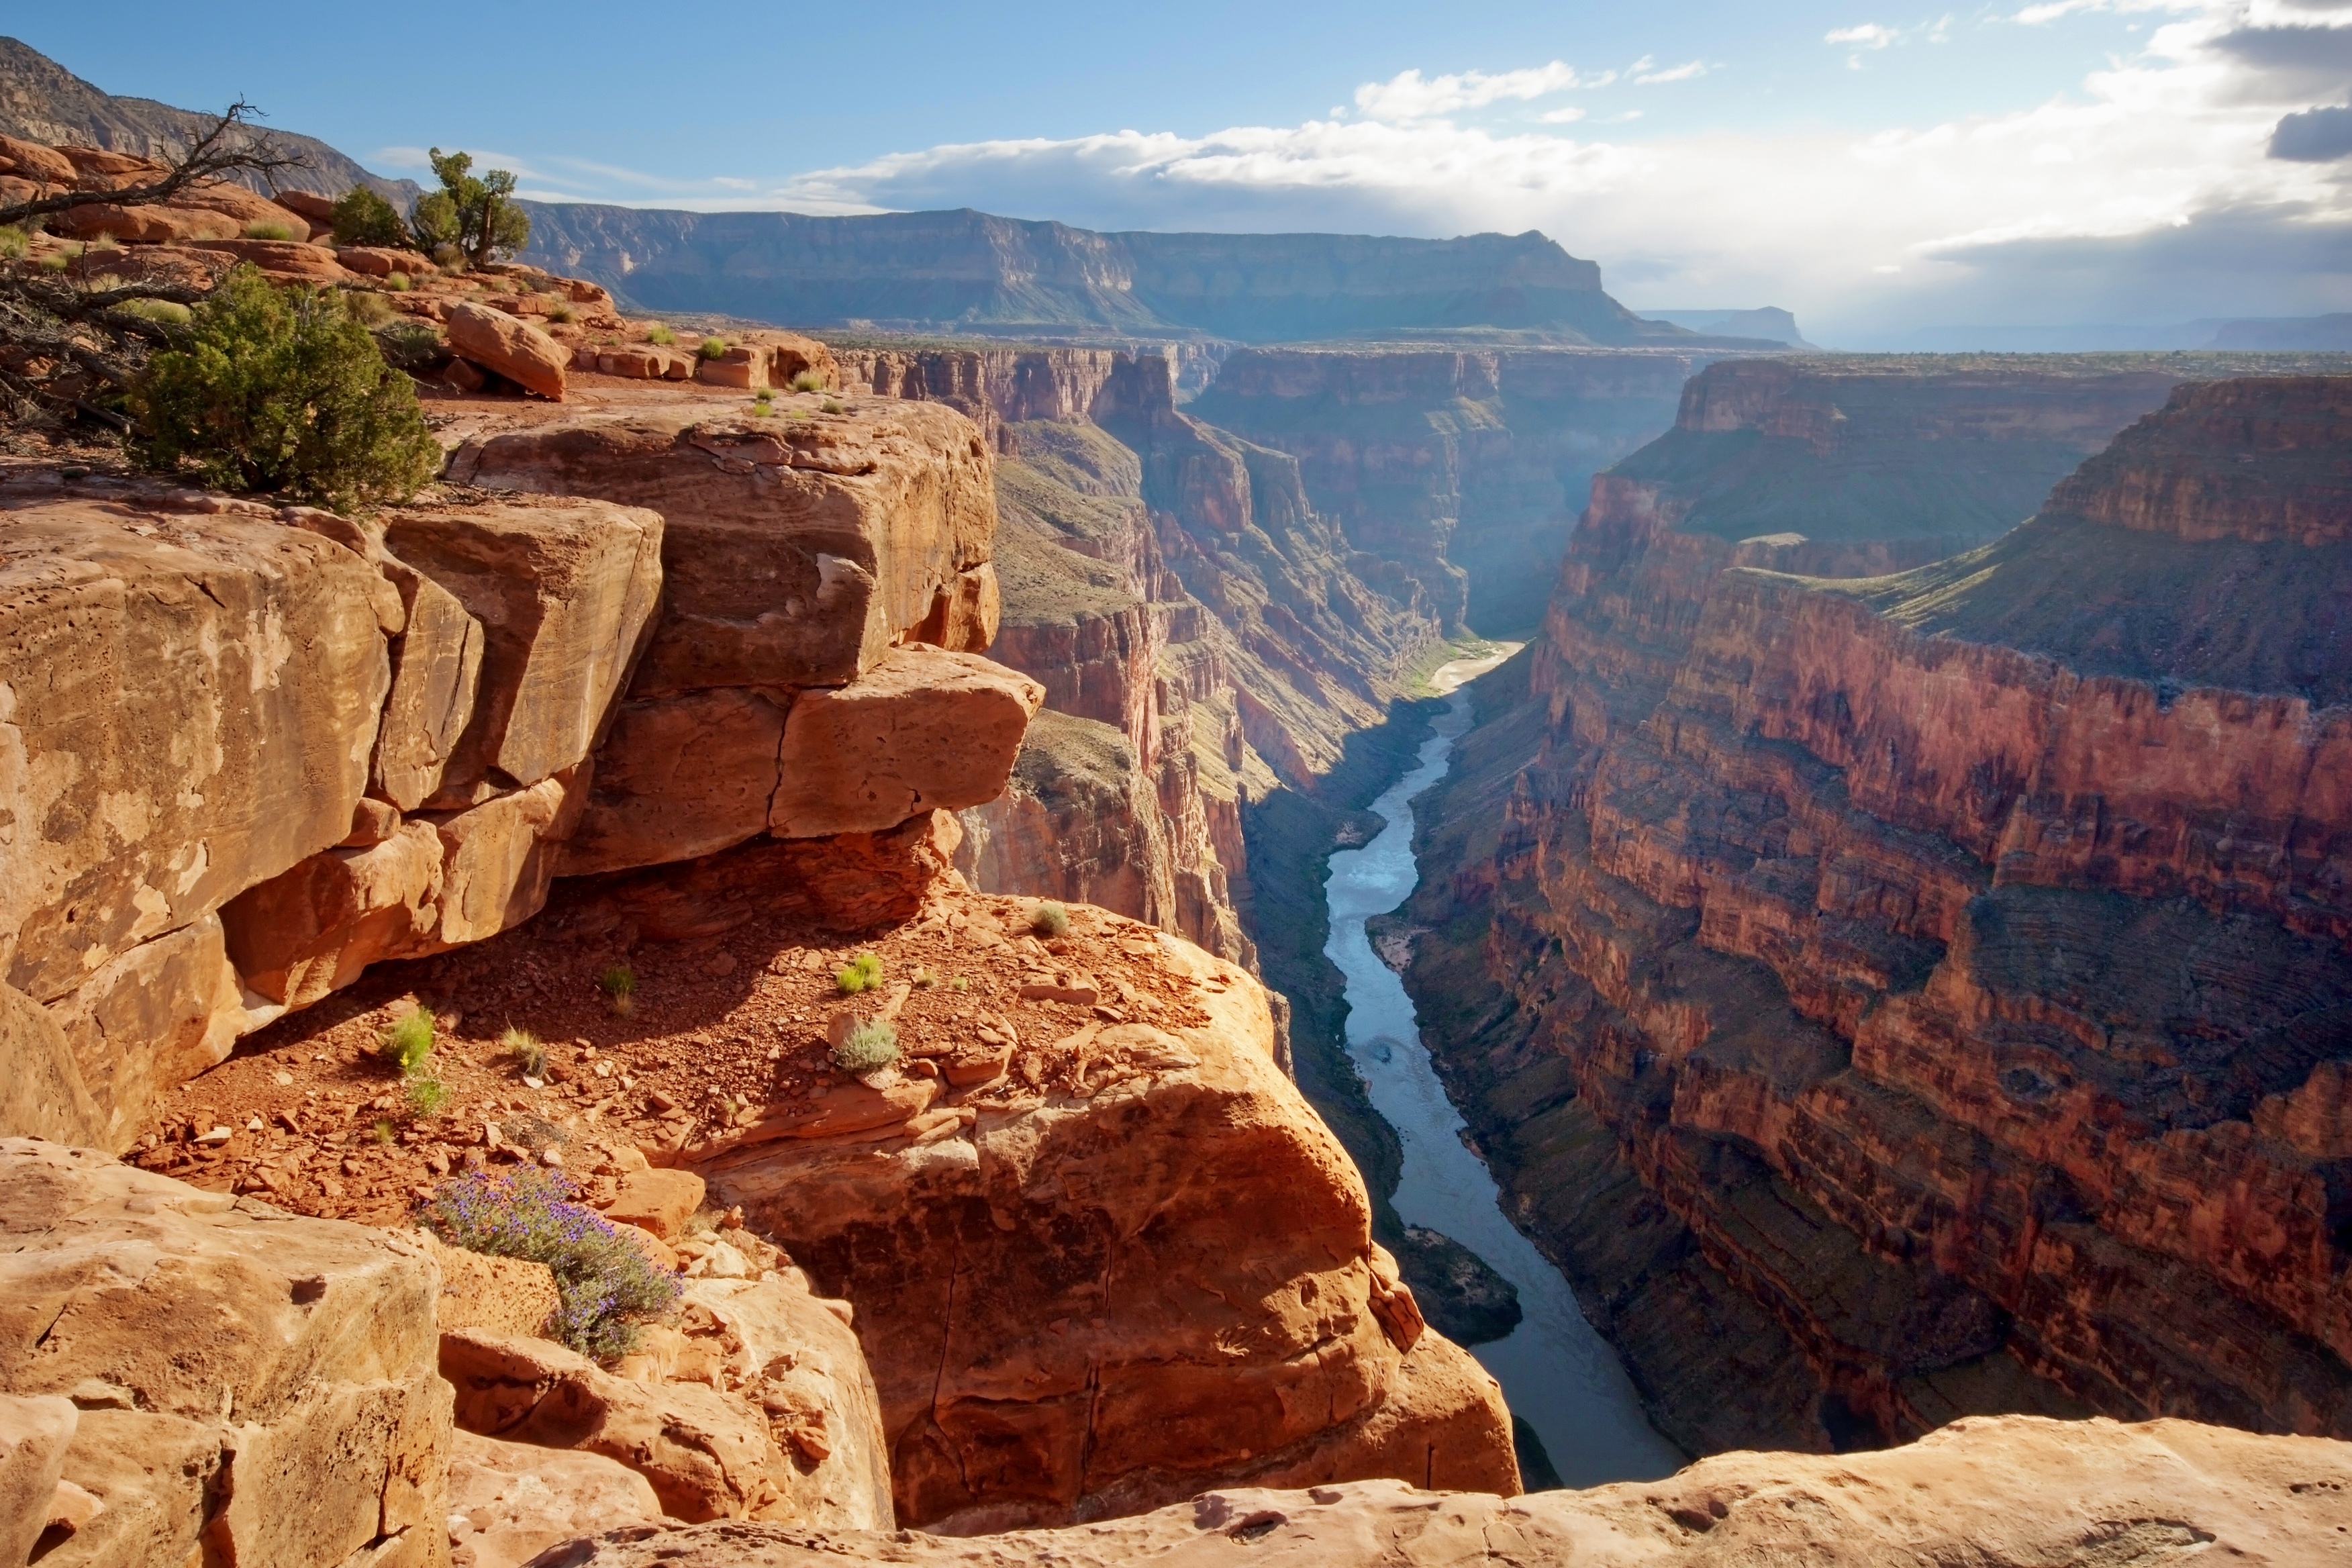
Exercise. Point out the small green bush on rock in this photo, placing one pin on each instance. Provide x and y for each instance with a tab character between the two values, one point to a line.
869	1047
268	231
409	1040
1049	918
863	972
283	391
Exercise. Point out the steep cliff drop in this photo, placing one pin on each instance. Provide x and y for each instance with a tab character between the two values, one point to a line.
1922	994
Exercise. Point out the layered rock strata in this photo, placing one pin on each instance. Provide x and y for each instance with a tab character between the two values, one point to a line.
1955	956
1465	469
2012	1492
254	750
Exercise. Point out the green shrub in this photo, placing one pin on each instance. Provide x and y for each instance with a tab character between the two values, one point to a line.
834	405
559	312
408	1042
476	219
163	312
524	1049
362	217
869	1047
763	404
606	1287
660	335
428	1095
14	243
619	982
808	381
407	343
270	231
714	348
1049	918
398	282
863	972
384	1133
283	391
369	310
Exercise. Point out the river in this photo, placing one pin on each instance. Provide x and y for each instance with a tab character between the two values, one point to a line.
1558	1373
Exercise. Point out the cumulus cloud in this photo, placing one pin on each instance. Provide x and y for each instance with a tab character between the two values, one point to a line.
1868	36
1410	96
2313	136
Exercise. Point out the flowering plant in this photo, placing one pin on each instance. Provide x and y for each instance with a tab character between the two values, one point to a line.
606	1285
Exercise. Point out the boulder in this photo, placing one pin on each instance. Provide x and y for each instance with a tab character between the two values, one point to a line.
308	205
145	225
32	161
513	347
745	365
794	551
510	1502
303	1423
565	592
921	730
639	362
42	1094
286	259
850	882
33	1434
706	1455
383	261
658	1201
503	1295
187	706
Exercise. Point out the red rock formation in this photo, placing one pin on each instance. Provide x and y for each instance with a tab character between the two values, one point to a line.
1924	940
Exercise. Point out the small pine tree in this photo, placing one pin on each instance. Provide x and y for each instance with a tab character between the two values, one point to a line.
282	390
362	217
477	216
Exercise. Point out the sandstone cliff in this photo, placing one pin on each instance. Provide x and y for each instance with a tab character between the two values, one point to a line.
1952	956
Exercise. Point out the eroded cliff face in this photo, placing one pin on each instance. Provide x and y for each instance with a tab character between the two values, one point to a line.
1963	979
1174	590
1464	469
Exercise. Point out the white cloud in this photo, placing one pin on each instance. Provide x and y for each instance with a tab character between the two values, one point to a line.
2145	193
1682	72
1869	36
1410	96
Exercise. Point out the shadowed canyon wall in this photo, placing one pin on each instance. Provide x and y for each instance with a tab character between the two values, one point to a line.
1925	994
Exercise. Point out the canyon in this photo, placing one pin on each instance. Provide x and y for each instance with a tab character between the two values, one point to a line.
1888	954
1899	971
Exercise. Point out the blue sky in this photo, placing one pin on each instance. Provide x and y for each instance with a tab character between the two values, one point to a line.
1870	167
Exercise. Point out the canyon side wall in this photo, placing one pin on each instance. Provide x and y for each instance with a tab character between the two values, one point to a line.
1465	469
1867	986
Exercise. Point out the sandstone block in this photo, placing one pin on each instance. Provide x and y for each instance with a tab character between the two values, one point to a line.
854	1111
745	365
383	261
145	225
515	348
298	936
706	1456
791	556
499	858
659	1201
565	590
151	1477
679	777
964	614
184	713
921	730
42	1094
33	1435
510	1502
32	161
436	667
282	257
503	1295
850	882
312	1384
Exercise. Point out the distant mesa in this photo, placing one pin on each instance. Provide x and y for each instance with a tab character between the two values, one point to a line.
1770	322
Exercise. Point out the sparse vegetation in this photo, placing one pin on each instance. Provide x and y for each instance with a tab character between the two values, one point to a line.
399	282
924	979
362	217
608	1289
384	1133
407	343
269	231
369	310
474	217
960	984
14	243
428	1095
714	348
658	333
560	311
409	1042
834	405
869	1047
163	312
763	404
1049	918
282	390
863	972
808	381
524	1049
619	982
